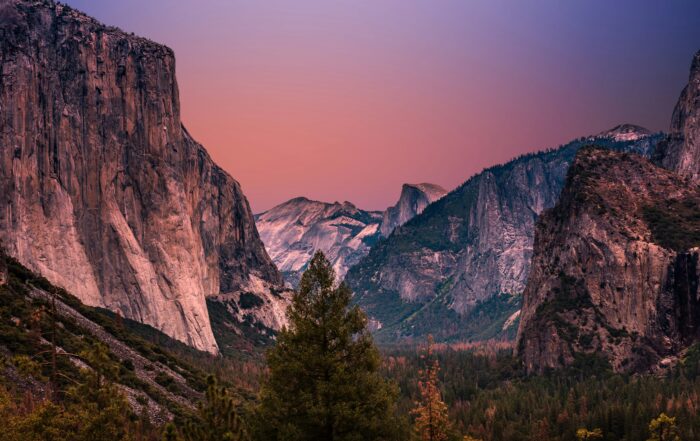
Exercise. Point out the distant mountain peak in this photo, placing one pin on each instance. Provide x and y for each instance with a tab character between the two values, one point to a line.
413	200
625	132
294	230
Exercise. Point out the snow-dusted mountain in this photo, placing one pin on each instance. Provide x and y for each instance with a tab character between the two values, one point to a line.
294	230
624	132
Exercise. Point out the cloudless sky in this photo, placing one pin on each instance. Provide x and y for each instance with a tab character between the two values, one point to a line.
348	99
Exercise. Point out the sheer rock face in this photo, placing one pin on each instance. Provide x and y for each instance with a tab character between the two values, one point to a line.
681	150
615	269
413	200
470	245
102	189
295	230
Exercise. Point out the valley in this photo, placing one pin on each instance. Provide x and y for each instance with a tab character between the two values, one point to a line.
554	296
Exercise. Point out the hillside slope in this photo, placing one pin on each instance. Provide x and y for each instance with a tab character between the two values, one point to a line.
34	313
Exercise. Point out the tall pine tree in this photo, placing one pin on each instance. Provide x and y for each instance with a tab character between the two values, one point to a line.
324	382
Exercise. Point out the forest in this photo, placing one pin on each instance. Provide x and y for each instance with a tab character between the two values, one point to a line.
323	379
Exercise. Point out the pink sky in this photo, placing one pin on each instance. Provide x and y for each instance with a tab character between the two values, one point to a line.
347	100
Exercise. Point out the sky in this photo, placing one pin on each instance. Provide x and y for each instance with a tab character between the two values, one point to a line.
347	99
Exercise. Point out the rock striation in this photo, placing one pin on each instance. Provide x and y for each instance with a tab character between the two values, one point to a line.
616	267
470	247
103	191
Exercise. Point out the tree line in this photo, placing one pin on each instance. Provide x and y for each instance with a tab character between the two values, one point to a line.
325	380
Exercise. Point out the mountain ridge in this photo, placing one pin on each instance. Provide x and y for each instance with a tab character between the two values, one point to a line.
471	245
294	230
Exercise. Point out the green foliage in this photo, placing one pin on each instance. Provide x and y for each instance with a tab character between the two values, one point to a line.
216	418
92	410
675	223
490	398
170	433
324	381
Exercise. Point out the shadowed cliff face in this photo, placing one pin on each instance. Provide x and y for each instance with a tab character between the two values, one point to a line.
103	191
615	268
681	150
473	244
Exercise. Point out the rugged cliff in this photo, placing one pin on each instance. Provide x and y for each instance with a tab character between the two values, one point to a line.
413	200
681	150
295	230
616	267
103	190
469	252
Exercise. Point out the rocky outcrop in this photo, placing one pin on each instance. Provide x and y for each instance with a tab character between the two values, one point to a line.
295	230
615	269
472	244
103	190
681	150
413	200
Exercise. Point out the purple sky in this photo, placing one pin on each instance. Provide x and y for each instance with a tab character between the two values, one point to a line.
348	99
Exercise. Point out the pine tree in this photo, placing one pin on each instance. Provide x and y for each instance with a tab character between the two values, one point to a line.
170	433
102	406
324	382
216	419
663	428
432	423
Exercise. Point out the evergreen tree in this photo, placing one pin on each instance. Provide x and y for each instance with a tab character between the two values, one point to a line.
432	423
324	382
104	408
170	433
663	428
216	419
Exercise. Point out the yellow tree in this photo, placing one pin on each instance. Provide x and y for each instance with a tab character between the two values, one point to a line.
587	435
663	428
431	422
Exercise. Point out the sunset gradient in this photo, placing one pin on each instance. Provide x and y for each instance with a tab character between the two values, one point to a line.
347	100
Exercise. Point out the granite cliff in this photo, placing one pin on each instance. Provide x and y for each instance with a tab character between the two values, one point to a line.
457	269
413	200
616	267
681	150
104	192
